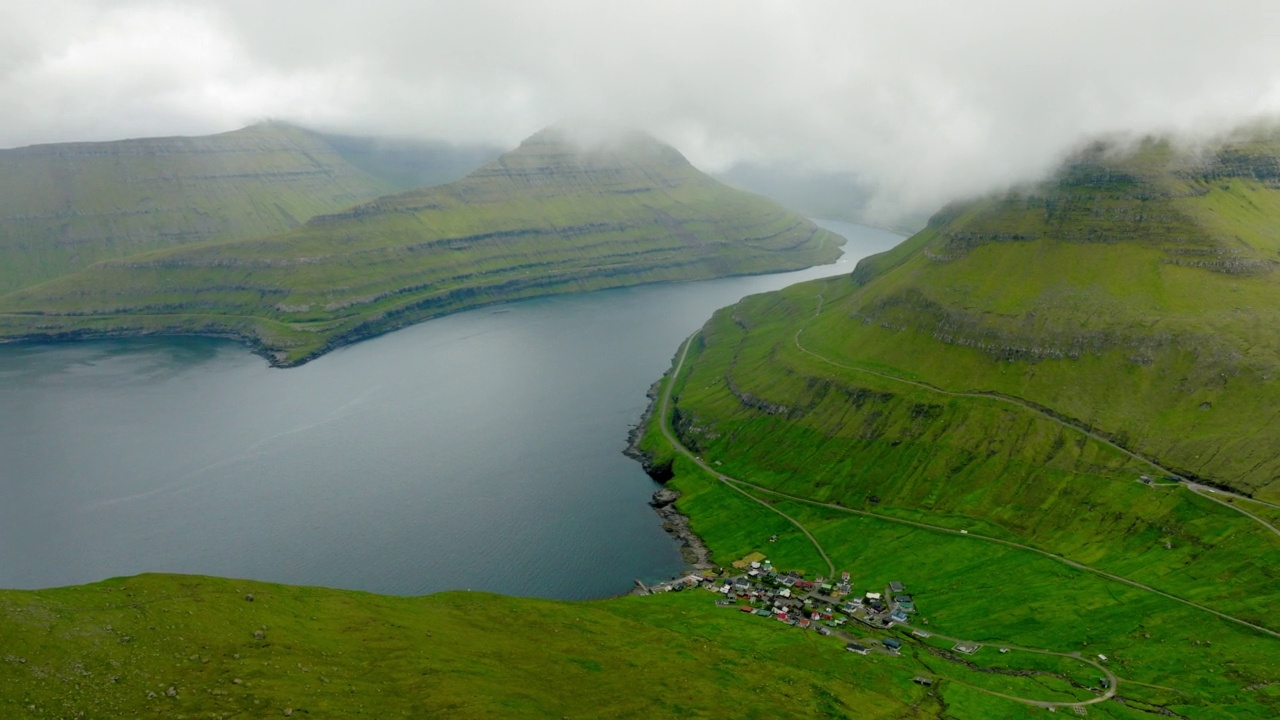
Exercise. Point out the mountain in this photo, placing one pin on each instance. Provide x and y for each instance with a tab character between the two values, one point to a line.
547	217
407	163
64	207
1136	294
820	194
1052	409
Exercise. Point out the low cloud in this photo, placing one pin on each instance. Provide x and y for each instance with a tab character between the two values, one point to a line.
924	101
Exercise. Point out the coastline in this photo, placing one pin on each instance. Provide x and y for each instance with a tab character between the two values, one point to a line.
693	550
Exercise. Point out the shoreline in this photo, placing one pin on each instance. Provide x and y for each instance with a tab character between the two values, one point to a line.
693	550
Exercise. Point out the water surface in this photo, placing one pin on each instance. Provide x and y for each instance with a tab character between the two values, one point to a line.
480	450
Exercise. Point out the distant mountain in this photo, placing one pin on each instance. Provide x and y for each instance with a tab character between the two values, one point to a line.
547	217
66	206
407	163
831	195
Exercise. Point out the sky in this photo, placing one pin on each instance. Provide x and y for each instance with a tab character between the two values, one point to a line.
926	101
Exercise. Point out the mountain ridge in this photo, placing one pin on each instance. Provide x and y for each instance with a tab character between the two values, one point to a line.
64	206
547	217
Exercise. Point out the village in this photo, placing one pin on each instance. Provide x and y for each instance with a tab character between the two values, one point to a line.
824	605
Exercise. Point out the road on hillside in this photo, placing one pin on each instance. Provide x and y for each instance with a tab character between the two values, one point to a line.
1070	423
665	425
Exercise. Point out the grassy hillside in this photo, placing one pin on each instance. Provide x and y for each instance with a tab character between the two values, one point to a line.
116	648
547	217
1003	380
1135	294
181	646
64	207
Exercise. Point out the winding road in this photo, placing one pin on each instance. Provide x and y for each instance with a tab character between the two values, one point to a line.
665	425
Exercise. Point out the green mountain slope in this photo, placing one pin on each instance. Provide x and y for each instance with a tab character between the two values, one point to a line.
64	207
1010	374
1136	294
116	648
547	217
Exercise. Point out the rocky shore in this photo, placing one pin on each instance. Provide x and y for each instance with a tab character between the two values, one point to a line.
661	472
692	548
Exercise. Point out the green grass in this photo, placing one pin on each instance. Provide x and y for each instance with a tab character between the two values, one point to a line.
965	587
984	376
115	648
594	219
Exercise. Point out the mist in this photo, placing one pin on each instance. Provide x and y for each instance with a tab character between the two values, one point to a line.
922	102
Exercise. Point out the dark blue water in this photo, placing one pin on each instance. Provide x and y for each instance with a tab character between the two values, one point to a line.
481	450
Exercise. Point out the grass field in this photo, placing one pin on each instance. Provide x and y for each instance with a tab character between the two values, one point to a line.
115	649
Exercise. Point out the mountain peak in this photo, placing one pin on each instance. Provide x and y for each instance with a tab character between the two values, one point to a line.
557	157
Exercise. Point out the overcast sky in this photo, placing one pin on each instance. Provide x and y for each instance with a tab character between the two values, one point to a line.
927	100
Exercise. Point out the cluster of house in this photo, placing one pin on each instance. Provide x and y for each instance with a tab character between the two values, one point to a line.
820	604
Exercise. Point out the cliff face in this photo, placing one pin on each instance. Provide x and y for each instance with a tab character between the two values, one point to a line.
66	206
550	216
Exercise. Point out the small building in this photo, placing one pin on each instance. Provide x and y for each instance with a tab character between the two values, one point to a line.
874	596
920	633
922	680
898	616
892	643
967	648
824	630
896	587
856	648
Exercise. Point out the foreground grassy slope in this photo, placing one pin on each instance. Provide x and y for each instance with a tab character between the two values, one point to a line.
115	649
548	217
66	206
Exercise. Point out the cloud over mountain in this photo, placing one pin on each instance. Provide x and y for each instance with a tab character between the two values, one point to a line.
925	100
